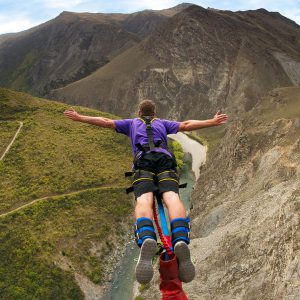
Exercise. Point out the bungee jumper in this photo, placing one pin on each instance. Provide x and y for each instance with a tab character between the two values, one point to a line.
155	174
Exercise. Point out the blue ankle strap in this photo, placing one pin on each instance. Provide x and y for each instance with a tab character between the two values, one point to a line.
180	228
144	229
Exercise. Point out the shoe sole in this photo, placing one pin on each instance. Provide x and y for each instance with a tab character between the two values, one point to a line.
186	267
144	269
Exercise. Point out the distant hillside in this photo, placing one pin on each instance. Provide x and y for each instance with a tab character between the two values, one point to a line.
195	62
58	246
246	206
60	51
71	47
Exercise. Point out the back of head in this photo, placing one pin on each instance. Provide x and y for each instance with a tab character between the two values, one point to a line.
147	108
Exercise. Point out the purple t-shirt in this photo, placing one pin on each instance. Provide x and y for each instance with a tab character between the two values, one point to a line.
136	130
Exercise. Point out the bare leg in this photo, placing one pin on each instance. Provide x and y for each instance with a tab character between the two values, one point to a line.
174	205
144	269
143	206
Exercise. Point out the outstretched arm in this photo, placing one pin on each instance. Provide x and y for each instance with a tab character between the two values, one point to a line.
191	125
99	121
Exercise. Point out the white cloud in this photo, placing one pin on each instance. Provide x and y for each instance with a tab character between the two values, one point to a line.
64	4
15	24
293	14
154	4
134	5
288	8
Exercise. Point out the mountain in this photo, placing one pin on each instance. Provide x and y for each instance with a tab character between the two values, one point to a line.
246	206
63	211
60	51
143	23
197	61
70	47
245	217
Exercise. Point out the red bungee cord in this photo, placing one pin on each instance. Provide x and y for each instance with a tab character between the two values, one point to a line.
163	239
170	285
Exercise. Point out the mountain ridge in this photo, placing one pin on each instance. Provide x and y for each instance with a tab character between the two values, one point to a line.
197	59
70	47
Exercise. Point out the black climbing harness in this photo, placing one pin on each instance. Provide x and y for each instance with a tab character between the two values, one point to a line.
140	175
151	145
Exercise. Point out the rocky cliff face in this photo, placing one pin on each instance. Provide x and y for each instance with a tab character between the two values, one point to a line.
195	62
247	205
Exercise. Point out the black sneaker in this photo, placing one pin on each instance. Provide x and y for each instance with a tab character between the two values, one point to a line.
186	267
144	269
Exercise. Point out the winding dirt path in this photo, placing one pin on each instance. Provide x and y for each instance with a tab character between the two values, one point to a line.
55	197
47	197
12	141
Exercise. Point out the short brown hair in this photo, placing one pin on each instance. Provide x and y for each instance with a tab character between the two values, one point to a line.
147	108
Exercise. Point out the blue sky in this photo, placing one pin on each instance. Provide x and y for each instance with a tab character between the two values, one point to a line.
23	14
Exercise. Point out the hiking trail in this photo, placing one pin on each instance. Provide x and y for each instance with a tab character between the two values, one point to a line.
12	141
54	197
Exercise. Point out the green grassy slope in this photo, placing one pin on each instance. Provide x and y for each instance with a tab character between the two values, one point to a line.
53	156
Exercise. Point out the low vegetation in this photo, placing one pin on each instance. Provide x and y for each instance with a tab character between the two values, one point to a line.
177	150
54	155
44	245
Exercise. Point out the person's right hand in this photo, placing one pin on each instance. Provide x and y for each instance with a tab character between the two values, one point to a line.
219	118
72	114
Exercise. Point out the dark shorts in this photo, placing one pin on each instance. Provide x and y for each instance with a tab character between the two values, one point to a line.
155	162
